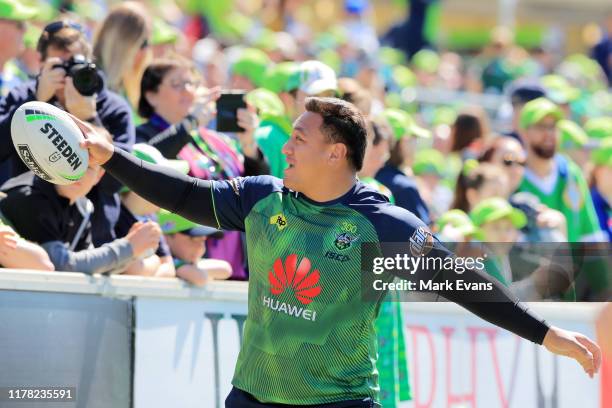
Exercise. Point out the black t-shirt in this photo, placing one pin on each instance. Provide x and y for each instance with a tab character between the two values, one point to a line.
39	214
125	222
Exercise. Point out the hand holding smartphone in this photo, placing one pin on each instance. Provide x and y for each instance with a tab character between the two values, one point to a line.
227	110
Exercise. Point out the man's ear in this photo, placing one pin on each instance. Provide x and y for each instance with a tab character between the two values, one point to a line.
338	152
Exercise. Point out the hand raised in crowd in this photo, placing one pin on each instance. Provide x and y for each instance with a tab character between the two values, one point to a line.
8	239
83	107
50	79
144	236
553	219
204	106
249	121
99	148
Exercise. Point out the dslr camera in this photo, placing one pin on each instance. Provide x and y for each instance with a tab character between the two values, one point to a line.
85	75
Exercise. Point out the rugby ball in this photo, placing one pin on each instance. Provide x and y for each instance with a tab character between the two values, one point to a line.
47	141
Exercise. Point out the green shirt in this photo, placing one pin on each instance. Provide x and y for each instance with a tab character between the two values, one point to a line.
270	138
309	337
571	196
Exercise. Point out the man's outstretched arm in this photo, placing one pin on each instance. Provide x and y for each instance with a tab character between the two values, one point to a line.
187	196
500	307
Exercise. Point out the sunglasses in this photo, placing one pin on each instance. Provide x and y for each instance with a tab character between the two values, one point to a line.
55	26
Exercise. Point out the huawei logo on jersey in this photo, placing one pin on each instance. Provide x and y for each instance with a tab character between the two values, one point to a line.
300	279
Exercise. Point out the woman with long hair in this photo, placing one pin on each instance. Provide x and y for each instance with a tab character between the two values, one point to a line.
121	48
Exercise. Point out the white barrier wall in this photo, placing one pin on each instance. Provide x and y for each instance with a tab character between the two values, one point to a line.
186	342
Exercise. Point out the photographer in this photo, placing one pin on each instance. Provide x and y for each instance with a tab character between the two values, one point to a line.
61	45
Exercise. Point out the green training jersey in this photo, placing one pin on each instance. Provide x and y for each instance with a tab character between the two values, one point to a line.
309	337
571	196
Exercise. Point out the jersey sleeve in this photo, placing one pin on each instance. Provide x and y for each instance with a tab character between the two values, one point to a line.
234	198
403	236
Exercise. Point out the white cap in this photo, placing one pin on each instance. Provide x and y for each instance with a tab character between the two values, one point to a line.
316	77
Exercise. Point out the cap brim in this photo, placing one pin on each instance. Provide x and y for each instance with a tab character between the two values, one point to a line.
319	86
418	131
22	13
203	231
517	218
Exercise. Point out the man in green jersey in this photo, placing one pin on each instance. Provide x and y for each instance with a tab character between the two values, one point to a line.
309	337
555	179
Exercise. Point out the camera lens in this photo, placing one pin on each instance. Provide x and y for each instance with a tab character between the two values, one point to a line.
86	79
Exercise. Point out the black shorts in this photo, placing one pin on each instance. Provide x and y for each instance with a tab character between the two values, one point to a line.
240	399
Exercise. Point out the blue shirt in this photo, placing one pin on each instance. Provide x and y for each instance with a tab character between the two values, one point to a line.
404	191
604	212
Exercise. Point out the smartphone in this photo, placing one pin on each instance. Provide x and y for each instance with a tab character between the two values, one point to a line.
227	111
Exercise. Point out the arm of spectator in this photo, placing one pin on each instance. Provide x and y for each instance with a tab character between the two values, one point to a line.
166	268
108	257
217	269
204	271
143	267
16	252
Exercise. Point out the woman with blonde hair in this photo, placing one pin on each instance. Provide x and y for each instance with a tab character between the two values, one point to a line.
121	48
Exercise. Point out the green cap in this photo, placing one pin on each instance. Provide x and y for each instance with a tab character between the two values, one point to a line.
558	89
602	156
599	128
15	10
31	36
458	220
571	135
163	33
150	154
426	60
252	64
266	102
391	56
428	161
444	115
496	208
171	223
403	76
266	40
403	124
536	110
330	58
282	77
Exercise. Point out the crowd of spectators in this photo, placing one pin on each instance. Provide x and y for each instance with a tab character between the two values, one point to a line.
537	168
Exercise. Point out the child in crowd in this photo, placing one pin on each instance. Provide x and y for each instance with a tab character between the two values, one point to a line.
187	245
136	210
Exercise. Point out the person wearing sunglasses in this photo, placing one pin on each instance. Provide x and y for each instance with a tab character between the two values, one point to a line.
545	224
59	42
555	179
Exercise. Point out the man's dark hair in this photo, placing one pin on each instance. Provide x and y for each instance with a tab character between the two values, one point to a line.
342	123
64	39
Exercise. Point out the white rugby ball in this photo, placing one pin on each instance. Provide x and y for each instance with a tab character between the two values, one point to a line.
47	141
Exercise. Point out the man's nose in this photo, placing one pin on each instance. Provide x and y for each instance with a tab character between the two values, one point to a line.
287	147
